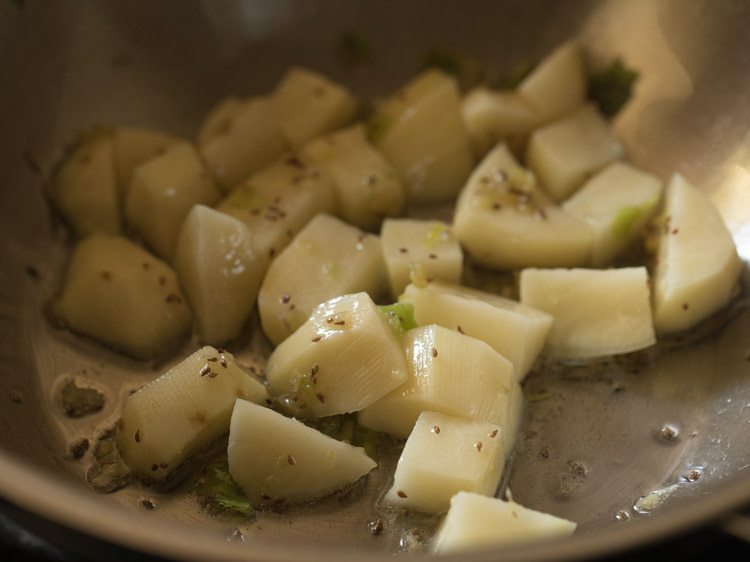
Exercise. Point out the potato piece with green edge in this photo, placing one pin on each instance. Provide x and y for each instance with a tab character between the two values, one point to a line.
273	457
565	152
514	330
277	202
420	130
220	272
617	202
326	259
342	359
84	187
163	191
474	521
597	312
697	264
118	293
494	116
306	104
450	373
132	147
368	187
425	249
445	455
241	140
558	84
181	412
505	221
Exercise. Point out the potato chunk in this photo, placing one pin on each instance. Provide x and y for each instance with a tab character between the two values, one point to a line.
564	153
504	220
132	147
273	457
426	249
449	373
445	455
183	411
326	259
163	191
697	265
220	272
617	202
421	132
597	312
342	359
476	521
118	293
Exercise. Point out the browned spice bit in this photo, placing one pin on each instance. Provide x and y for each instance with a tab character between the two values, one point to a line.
106	275
371	180
478	446
693	475
145	265
223	361
162	280
320	397
212	359
33	272
514	514
375	527
460	329
315	369
316	339
295	161
199	417
434	352
172	298
78	448
403	250
163	465
544	453
685	306
496	206
137	436
361	238
205	370
493	434
319	91
339	323
147	503
542	213
401	494
254	212
15	396
330	320
291	460
285	298
271	252
292	306
154	467
675	230
269	402
435	429
432	256
484	179
265	497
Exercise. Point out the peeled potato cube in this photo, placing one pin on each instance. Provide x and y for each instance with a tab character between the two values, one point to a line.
272	457
307	104
183	411
426	249
118	293
558	84
617	202
697	264
218	120
277	202
564	153
132	147
326	259
241	140
342	359
420	130
445	455
84	188
597	312
452	374
475	521
492	117
368	187
163	191
220	272
514	330
505	221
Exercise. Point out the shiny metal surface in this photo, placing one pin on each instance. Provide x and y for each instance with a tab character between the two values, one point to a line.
592	444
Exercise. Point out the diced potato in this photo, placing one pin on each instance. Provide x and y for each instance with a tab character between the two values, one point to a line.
617	202
514	330
597	312
241	139
445	455
697	264
163	191
220	272
426	249
505	221
118	293
307	104
84	188
476	521
326	259
276	203
564	153
452	374
368	187
183	411
273	457
342	359
421	131
492	117
558	84
132	147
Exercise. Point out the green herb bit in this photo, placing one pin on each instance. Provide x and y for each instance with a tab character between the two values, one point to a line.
353	50
220	492
244	198
79	401
438	233
540	396
377	126
612	88
628	216
400	317
468	71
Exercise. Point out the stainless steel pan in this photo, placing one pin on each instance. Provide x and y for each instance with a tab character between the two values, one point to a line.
595	443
